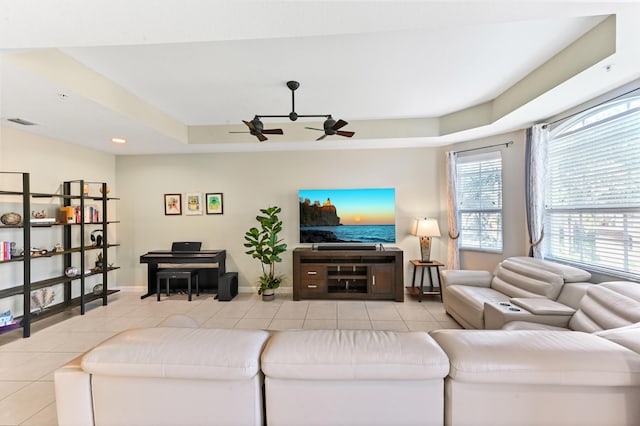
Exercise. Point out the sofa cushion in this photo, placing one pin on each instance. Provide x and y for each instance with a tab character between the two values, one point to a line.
519	279
608	305
186	353
353	354
537	357
530	325
628	336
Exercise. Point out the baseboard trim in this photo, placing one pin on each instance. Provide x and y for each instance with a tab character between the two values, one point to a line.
241	289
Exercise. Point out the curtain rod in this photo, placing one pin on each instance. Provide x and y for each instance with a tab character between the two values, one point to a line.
506	144
587	109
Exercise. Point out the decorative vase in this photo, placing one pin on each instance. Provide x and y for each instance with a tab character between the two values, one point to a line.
268	294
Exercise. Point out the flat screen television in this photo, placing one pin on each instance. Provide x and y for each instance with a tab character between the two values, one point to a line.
365	215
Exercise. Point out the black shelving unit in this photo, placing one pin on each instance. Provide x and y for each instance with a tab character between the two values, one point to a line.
72	194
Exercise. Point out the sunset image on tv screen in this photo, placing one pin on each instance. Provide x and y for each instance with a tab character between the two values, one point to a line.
347	215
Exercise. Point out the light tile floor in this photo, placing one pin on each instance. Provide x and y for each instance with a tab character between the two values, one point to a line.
27	365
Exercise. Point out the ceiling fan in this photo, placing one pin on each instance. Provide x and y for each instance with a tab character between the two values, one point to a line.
331	126
256	128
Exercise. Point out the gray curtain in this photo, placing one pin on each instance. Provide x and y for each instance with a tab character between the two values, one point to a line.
453	253
535	176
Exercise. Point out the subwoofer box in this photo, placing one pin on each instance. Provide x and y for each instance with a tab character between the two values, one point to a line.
227	286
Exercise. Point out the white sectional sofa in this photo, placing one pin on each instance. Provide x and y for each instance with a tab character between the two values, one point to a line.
568	354
520	289
184	376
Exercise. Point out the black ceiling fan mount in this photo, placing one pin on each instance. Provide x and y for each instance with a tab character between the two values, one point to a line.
331	127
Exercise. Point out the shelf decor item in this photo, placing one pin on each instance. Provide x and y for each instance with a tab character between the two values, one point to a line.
72	271
265	246
6	318
11	218
42	298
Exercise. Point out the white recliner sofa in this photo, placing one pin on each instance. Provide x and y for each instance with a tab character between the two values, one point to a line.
521	288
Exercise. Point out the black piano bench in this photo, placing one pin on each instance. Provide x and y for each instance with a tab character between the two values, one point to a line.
177	273
227	286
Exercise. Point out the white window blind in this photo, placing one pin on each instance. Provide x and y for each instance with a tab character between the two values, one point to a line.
593	190
480	201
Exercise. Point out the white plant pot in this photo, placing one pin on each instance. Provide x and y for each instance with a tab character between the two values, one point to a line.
268	294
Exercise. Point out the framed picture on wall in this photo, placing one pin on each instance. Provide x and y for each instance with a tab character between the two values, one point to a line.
214	203
193	204
172	204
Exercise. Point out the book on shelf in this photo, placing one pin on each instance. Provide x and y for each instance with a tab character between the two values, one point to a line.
5	250
90	215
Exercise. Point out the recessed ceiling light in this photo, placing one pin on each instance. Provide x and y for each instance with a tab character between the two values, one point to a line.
118	140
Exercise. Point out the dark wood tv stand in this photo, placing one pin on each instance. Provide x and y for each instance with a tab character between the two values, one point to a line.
348	274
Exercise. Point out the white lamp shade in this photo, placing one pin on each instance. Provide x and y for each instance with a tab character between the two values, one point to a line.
427	227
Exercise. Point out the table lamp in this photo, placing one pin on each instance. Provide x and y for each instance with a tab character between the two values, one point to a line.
425	229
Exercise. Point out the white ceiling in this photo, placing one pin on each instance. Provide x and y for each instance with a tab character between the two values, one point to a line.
177	76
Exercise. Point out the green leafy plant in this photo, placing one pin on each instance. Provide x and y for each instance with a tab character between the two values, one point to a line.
265	246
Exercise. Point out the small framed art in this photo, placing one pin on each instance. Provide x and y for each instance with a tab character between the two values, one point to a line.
172	204
193	205
214	203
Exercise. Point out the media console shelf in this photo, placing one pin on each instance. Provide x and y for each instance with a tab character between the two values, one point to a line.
348	274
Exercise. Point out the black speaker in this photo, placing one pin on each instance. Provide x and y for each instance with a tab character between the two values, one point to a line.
97	238
227	286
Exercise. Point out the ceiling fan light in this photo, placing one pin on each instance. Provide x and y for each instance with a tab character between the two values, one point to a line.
119	140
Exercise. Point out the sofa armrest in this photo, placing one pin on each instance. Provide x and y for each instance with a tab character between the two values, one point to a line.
470	278
541	306
73	395
498	314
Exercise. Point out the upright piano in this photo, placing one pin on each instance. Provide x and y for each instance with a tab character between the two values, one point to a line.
212	263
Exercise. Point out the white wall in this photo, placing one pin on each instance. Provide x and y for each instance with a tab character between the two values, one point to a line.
251	181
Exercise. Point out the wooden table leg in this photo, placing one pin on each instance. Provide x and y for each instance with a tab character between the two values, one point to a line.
422	286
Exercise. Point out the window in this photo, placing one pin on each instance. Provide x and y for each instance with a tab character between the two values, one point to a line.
480	201
593	190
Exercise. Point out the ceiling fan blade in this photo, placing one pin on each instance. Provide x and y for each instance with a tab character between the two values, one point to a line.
339	124
313	128
261	137
321	137
239	132
249	125
273	132
344	133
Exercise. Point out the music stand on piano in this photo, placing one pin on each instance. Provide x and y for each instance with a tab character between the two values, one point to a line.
186	246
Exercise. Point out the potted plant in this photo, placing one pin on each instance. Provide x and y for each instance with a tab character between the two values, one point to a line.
265	246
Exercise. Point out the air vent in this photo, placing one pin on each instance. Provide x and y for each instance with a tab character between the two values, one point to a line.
21	121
